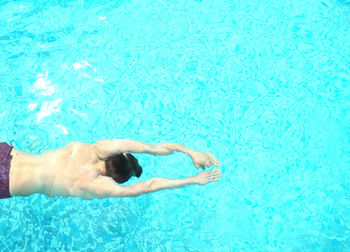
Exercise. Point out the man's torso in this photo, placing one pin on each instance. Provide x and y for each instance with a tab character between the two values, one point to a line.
62	172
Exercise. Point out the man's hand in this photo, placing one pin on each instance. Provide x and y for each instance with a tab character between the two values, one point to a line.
206	177
202	160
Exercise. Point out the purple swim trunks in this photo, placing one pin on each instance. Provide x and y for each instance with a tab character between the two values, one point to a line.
5	163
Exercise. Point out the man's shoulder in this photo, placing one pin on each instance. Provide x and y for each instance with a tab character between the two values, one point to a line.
78	146
77	143
81	149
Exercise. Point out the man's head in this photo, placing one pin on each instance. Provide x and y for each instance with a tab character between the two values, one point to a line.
122	167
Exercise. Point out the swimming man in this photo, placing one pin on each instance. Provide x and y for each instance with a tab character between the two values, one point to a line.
93	170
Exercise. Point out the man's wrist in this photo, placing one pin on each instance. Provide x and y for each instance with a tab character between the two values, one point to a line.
184	149
194	179
190	152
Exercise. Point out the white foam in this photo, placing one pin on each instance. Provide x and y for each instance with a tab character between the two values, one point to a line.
48	108
63	129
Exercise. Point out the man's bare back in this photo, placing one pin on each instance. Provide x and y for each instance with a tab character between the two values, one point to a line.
58	172
79	170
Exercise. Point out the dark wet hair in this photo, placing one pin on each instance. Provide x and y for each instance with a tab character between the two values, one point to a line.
121	168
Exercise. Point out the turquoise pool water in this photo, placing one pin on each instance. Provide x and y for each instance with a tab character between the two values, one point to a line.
263	85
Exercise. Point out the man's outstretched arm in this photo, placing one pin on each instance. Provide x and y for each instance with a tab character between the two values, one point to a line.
108	147
104	187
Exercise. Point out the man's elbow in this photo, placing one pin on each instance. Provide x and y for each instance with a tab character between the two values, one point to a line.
140	188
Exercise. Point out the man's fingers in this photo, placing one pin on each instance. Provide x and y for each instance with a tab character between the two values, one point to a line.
213	163
215	174
215	171
214	159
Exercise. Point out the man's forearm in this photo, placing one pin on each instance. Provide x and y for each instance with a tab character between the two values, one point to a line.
156	184
176	147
